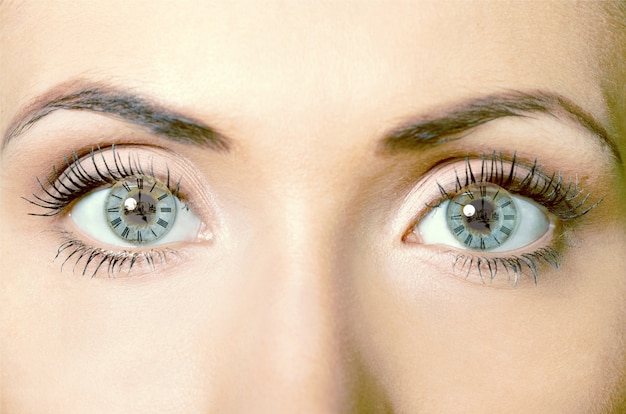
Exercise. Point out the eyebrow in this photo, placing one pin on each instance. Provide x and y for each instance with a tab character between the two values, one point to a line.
141	111
417	135
431	131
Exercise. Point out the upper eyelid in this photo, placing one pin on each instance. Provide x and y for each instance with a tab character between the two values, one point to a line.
71	182
426	192
561	195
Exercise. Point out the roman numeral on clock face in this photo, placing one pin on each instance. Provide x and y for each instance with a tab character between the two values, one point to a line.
468	239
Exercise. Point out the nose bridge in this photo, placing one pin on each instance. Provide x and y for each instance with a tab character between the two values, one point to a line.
298	364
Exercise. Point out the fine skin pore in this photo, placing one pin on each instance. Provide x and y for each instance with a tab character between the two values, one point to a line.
307	290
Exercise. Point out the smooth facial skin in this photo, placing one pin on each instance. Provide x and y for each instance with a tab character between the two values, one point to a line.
306	289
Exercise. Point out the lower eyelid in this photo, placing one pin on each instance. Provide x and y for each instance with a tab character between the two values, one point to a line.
430	190
84	259
514	269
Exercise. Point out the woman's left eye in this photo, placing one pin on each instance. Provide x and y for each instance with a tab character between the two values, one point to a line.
136	211
485	217
497	214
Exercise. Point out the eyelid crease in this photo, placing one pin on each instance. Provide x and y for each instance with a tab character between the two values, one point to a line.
74	180
562	197
58	192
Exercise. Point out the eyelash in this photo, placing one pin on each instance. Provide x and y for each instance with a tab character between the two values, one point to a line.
87	182
562	198
114	261
72	183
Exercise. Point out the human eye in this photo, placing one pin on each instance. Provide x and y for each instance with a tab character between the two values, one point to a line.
138	210
499	215
118	208
485	217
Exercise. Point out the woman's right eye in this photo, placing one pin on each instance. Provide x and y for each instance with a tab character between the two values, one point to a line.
136	211
120	207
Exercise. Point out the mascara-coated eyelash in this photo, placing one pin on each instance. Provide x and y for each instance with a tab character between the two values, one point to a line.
74	181
514	265
561	198
81	175
115	262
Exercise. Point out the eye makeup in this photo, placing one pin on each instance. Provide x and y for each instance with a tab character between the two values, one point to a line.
561	199
108	167
561	196
109	170
83	173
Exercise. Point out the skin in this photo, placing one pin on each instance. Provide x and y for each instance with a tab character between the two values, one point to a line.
306	297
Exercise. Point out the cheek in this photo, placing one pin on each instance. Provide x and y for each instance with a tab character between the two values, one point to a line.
438	342
94	344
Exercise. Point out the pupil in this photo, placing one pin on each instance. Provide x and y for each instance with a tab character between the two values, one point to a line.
482	217
140	211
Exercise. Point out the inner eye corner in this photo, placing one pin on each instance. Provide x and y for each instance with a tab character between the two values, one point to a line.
409	235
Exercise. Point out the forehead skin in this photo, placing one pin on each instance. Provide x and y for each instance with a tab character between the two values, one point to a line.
308	87
206	56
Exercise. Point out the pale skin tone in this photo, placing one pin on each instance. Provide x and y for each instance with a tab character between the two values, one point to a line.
303	293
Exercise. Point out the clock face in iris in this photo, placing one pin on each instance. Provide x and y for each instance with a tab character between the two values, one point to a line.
482	217
140	209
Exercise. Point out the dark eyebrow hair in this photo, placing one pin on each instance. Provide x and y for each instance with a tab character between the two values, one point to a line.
429	132
96	97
